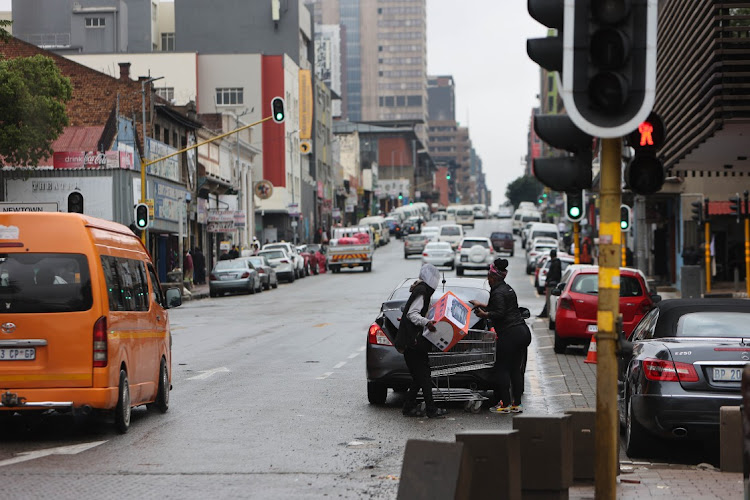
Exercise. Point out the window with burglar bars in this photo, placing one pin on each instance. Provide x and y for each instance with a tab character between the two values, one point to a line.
167	42
95	22
229	96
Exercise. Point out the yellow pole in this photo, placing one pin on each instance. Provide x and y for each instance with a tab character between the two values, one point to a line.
610	235
747	252
577	242
708	255
623	253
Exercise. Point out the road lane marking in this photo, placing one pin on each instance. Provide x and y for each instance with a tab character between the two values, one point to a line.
339	365
325	376
352	356
208	373
321	325
60	450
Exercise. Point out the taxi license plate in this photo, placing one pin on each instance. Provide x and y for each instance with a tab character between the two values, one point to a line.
592	328
727	374
17	354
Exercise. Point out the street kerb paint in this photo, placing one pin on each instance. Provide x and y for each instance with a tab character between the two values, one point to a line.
591	355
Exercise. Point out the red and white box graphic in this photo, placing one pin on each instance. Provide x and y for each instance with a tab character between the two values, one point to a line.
452	317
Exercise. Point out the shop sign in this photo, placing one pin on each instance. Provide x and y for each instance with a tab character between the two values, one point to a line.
96	191
92	159
168	201
293	209
320	189
221	216
239	219
220	227
169	168
28	207
336	213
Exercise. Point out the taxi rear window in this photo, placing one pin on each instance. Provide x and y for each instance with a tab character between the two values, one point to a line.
44	283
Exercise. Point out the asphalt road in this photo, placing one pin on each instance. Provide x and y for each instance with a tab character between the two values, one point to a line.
268	401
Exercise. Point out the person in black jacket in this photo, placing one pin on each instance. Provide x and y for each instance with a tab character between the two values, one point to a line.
513	337
554	273
414	346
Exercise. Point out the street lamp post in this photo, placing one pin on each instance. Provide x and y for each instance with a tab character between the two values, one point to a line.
148	80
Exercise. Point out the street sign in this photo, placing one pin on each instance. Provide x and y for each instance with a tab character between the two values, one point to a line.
293	209
220	227
263	189
150	203
28	207
294	223
305	147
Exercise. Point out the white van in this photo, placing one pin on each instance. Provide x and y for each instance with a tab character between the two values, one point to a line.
379	227
542	230
523	216
465	216
452	233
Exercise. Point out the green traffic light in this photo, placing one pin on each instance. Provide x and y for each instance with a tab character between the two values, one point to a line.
623	224
574	212
279	116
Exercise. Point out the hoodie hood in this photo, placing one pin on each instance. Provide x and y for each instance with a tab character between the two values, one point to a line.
430	275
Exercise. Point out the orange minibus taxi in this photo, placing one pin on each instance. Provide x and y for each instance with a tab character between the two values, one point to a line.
83	320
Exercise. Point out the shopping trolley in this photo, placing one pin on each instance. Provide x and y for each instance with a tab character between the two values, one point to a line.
475	351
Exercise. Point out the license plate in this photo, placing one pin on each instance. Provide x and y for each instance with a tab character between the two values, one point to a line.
592	328
13	354
727	374
228	276
464	258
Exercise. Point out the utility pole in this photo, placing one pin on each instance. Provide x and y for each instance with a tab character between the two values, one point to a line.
707	252
577	242
149	80
746	194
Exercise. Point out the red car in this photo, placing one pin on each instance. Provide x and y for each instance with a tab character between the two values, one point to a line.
575	319
310	260
319	257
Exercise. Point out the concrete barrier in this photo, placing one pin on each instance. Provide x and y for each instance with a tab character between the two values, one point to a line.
491	465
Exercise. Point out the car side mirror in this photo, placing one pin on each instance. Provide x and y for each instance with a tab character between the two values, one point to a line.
557	291
174	297
656	298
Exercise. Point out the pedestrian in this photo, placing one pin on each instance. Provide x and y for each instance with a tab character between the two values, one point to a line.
224	255
414	346
587	251
513	338
234	252
554	273
187	267
199	266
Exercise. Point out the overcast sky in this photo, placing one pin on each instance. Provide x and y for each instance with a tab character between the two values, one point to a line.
482	43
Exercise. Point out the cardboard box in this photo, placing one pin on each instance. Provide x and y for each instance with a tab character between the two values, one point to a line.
452	317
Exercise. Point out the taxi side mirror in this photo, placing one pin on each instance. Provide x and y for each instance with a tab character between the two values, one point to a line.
174	297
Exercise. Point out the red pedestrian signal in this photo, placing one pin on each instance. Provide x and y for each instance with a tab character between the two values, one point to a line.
645	130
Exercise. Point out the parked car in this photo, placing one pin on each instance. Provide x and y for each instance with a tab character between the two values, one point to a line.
414	244
474	254
385	366
452	233
438	253
319	252
524	231
234	275
503	242
309	262
540	277
536	250
576	315
542	230
394	226
268	277
432	232
291	250
555	294
281	262
685	362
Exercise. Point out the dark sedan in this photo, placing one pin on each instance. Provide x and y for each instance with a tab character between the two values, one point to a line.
503	242
267	273
686	362
385	365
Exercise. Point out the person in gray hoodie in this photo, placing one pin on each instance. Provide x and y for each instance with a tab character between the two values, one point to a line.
414	346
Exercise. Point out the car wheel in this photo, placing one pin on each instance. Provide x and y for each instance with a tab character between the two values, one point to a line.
406	255
560	344
453	266
511	254
162	396
211	293
528	270
122	409
267	285
276	283
251	290
459	271
636	435
376	393
291	277
260	286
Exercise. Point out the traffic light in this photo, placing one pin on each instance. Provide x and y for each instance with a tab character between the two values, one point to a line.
141	216
624	217
547	52
75	203
697	209
645	172
609	64
735	205
277	109
574	209
448	175
565	173
400	196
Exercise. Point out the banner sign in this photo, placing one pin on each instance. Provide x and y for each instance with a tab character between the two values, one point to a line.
28	207
305	105
221	216
239	219
169	168
168	201
220	227
92	159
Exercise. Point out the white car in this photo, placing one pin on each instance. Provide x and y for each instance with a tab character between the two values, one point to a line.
452	233
565	261
536	251
438	253
291	250
541	230
432	232
474	254
281	262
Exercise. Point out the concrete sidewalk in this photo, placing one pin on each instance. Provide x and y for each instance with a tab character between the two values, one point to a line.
571	383
197	292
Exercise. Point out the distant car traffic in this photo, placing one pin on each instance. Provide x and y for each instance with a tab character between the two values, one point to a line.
540	278
503	242
576	315
296	258
432	232
268	277
685	362
234	275
537	249
414	244
474	254
452	233
438	253
385	366
281	262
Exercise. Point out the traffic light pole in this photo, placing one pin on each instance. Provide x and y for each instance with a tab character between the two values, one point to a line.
747	242
607	336
623	253
707	226
145	163
576	242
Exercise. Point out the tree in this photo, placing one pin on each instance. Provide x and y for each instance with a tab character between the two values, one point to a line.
524	188
33	94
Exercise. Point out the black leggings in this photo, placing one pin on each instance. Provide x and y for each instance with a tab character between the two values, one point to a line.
510	359
419	368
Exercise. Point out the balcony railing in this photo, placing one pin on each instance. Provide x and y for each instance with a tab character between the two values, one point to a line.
47	39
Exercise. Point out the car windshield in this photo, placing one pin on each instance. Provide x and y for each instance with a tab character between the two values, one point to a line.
589	284
278	254
544	246
224	265
545	234
462	292
44	283
430	230
528	218
450	231
475	243
713	324
464	212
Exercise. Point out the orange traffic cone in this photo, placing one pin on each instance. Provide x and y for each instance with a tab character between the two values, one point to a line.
591	355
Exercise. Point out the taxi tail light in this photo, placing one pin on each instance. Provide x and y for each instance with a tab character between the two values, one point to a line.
100	343
246	274
425	254
663	370
566	303
377	336
213	277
